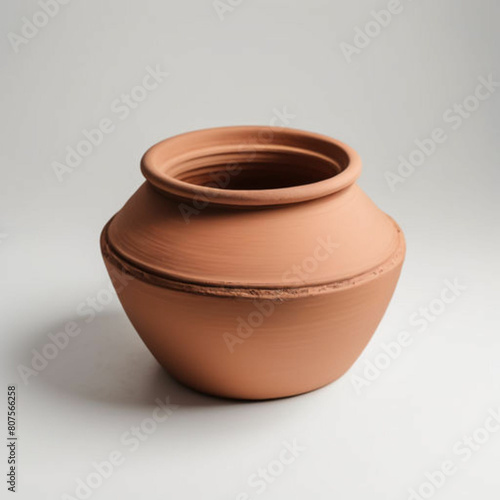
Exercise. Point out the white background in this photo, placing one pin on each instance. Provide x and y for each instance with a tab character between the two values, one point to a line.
376	443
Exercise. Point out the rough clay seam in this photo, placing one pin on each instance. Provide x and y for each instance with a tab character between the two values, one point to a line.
275	294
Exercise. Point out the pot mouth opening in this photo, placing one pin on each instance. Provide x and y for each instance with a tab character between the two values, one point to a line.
250	166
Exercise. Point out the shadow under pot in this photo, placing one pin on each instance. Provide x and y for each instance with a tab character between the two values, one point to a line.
250	263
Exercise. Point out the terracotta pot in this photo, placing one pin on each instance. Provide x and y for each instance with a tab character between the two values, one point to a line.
261	270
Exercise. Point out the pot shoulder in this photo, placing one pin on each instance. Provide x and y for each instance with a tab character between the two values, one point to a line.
323	241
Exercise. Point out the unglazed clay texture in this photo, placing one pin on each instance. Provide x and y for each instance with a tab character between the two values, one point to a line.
254	266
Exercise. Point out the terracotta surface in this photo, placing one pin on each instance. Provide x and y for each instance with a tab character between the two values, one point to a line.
261	269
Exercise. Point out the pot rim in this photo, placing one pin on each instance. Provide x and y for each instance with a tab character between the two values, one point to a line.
206	149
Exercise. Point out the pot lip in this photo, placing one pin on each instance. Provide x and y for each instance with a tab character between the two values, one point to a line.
277	294
162	160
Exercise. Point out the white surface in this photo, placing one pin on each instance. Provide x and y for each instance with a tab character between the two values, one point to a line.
264	55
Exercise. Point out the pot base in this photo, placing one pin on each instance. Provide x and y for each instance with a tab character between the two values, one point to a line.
256	348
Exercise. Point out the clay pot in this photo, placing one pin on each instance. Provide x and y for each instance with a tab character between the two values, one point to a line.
250	262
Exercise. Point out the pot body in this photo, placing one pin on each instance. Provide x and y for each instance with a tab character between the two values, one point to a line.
254	300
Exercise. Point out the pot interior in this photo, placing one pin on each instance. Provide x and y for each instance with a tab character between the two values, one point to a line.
259	171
